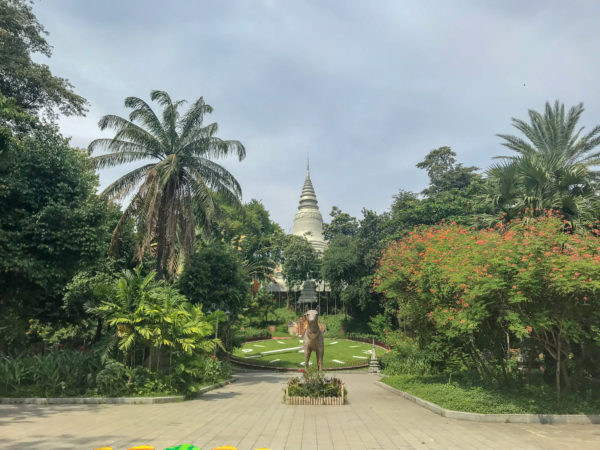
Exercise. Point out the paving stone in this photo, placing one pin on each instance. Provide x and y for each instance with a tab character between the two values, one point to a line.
250	413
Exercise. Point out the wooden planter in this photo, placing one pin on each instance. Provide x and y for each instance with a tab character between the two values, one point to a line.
315	400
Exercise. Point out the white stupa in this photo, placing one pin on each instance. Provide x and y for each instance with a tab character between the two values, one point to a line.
308	221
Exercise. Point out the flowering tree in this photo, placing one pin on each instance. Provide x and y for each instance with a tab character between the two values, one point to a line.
485	291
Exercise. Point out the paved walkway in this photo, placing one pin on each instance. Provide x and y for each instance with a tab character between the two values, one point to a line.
250	414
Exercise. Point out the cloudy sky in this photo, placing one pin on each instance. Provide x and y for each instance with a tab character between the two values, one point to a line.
367	89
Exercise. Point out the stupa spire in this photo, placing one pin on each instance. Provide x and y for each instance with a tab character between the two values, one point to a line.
308	221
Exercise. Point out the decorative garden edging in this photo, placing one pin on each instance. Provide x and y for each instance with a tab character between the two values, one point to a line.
314	400
553	419
108	400
297	400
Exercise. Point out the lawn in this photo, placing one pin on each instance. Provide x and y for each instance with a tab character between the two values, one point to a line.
288	353
458	396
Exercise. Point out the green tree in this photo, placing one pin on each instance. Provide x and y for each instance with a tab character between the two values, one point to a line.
552	167
249	229
444	173
34	88
214	277
300	262
341	224
148	319
179	180
52	224
472	295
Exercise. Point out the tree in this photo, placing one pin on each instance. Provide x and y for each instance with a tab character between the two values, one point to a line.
52	224
32	85
213	277
148	315
180	178
552	168
341	224
478	293
444	173
254	235
341	263
300	262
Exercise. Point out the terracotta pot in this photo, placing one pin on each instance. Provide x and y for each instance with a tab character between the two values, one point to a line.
271	328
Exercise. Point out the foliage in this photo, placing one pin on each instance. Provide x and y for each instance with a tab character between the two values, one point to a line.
249	333
149	316
341	224
262	304
462	395
216	370
405	357
213	277
60	373
31	84
474	294
284	315
552	168
444	173
52	224
178	182
300	262
351	257
249	229
314	383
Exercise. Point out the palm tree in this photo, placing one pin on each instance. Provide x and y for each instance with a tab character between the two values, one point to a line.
177	177
552	168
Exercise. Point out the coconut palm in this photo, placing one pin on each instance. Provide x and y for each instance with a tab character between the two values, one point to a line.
553	167
176	179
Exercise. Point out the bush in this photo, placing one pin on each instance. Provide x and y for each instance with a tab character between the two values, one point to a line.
315	384
404	357
241	336
334	322
60	373
112	379
284	315
216	370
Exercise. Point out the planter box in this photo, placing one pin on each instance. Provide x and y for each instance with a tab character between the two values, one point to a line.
314	400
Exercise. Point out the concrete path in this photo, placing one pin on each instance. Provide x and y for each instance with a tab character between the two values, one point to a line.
249	414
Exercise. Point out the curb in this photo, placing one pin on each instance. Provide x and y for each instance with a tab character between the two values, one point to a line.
553	419
107	400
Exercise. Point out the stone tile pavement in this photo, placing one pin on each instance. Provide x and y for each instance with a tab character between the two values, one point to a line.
250	414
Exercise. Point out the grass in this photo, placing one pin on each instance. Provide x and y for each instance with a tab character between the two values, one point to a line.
351	353
488	400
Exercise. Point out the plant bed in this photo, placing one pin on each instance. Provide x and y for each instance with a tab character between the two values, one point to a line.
314	388
278	354
461	396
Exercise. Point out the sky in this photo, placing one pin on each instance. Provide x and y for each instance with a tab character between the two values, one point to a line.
365	89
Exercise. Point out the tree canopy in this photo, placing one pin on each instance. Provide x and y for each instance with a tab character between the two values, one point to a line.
554	166
179	180
33	87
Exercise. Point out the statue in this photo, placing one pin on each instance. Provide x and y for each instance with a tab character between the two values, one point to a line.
313	338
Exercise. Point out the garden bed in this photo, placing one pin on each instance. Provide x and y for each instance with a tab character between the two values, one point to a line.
458	396
287	355
314	388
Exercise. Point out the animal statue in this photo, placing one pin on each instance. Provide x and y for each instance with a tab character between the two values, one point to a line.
313	338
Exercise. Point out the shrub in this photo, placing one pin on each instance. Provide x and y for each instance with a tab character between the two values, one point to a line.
112	379
471	295
241	336
314	383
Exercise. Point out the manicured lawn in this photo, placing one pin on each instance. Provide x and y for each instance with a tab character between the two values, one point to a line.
487	400
288	353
